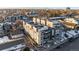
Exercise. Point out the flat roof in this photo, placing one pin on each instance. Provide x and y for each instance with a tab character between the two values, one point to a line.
38	26
57	18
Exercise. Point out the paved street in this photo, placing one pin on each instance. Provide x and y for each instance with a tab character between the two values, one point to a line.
7	45
70	46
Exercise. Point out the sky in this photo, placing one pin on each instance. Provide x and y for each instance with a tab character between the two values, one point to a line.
39	3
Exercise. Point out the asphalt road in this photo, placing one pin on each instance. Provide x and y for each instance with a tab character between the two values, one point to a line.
9	44
69	46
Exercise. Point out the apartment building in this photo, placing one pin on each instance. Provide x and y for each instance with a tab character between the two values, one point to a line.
38	32
43	21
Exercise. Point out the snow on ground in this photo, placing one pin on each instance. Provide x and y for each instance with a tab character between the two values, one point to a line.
73	33
15	48
70	34
17	36
4	39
